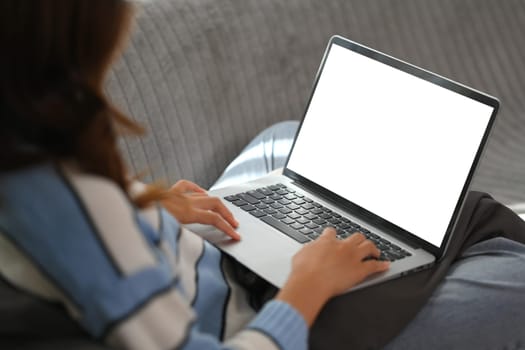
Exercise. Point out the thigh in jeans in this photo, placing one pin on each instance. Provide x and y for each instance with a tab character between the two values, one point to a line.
479	305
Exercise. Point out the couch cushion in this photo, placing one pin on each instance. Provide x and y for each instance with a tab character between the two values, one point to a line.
27	322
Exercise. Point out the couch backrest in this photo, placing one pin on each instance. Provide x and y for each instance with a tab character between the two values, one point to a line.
206	75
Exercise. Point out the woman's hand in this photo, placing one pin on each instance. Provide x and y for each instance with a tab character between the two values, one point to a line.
190	204
328	267
338	265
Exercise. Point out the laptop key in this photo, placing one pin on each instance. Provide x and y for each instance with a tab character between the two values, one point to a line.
301	220
239	202
367	235
288	221
285	210
346	226
294	216
309	216
258	213
279	216
319	229
395	256
296	226
270	211
299	201
256	194
285	229
293	206
265	191
381	247
248	198
248	207
231	198
383	241
305	231
308	206
302	211
267	201
373	235
311	225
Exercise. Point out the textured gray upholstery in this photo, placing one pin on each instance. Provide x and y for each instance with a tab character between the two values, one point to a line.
206	75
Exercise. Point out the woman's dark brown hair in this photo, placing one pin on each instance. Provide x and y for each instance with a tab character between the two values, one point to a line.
55	55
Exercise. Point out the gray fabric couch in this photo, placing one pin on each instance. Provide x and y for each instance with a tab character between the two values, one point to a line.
205	76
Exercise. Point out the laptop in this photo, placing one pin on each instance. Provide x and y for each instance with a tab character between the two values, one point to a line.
384	148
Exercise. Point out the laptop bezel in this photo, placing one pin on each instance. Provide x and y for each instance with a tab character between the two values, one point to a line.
362	213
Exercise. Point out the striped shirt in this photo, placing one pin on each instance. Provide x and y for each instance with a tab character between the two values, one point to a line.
134	279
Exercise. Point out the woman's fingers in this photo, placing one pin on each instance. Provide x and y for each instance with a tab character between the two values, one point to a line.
356	238
208	217
329	232
368	249
375	266
200	199
216	205
184	186
198	207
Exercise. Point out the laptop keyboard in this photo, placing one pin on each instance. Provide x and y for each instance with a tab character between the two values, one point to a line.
303	219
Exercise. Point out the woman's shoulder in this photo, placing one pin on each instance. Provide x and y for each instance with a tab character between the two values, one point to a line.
47	179
50	198
50	211
51	187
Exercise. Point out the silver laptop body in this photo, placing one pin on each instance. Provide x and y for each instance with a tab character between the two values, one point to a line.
383	143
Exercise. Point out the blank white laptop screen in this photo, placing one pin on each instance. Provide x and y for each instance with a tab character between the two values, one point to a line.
392	143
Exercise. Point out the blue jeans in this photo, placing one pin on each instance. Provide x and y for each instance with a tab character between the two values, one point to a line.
479	305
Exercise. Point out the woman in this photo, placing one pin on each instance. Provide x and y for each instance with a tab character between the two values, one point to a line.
129	277
115	259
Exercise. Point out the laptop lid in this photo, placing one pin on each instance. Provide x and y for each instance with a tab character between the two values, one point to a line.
391	142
